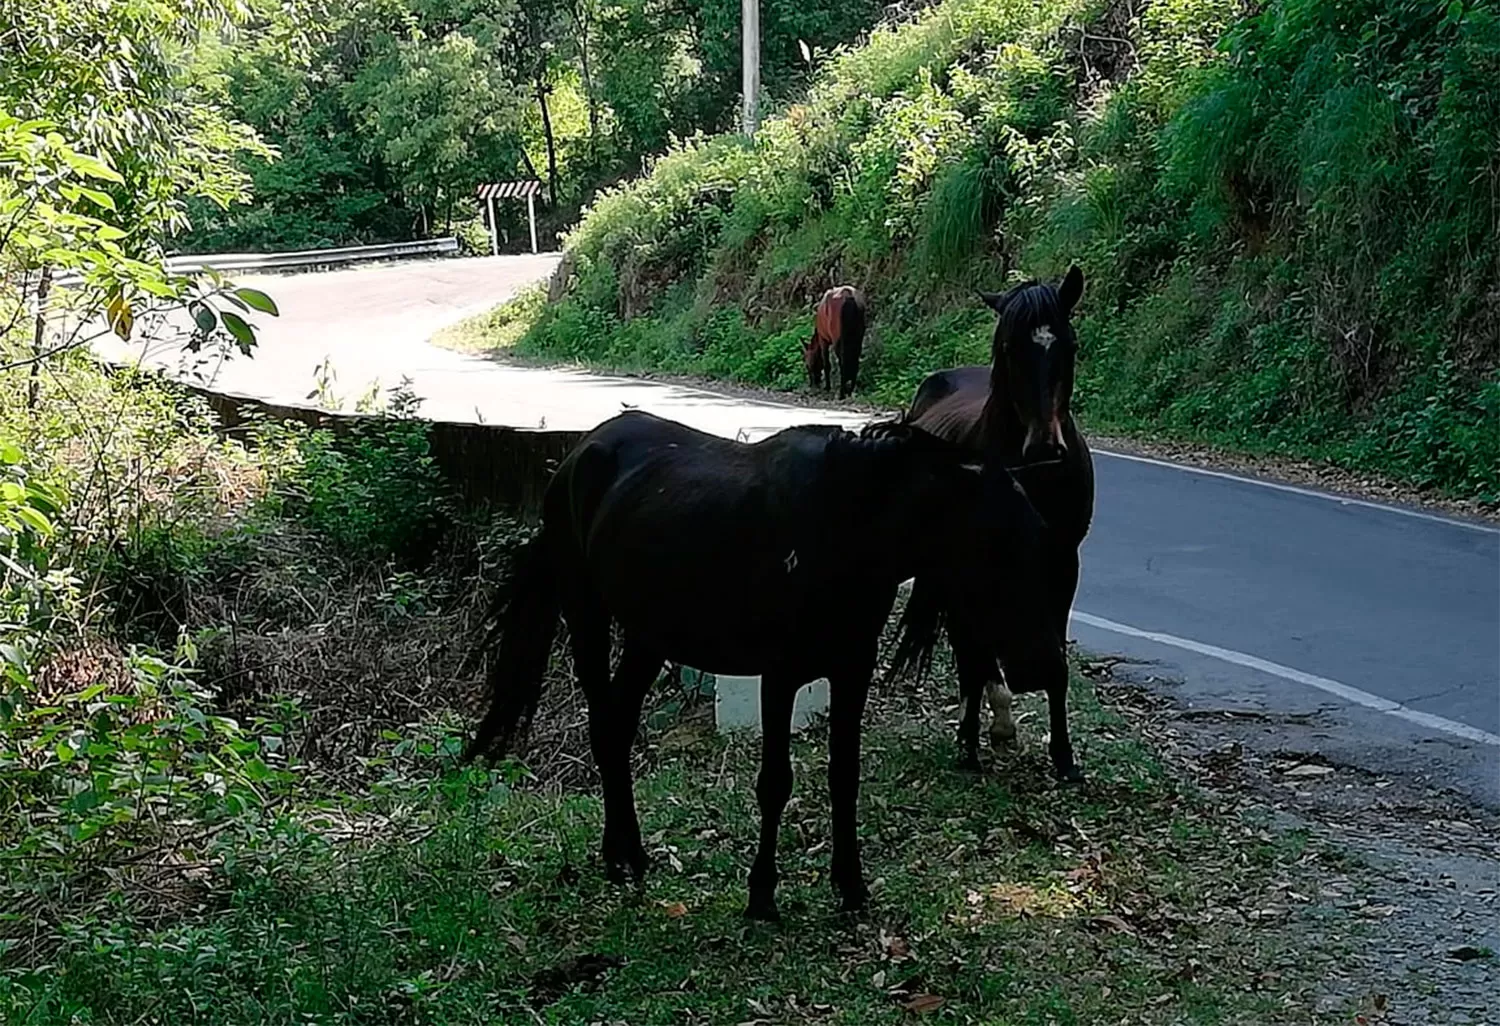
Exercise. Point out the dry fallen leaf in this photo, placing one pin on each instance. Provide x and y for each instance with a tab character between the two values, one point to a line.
924	1003
674	909
1308	769
878	980
1114	922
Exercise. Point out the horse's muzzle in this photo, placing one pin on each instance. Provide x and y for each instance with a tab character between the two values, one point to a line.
1044	444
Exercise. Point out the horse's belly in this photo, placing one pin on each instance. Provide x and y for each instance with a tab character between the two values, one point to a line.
730	611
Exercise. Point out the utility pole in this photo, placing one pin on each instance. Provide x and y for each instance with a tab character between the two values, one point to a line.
750	58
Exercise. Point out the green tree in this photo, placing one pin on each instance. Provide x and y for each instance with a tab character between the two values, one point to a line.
441	115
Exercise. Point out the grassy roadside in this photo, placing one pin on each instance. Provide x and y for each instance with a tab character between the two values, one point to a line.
446	896
510	332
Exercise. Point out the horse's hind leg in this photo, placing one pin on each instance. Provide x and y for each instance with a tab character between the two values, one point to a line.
772	789
614	715
849	353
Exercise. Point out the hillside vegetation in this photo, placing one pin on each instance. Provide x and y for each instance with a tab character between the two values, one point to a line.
1287	214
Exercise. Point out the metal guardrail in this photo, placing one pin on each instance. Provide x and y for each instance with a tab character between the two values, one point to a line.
310	257
298	258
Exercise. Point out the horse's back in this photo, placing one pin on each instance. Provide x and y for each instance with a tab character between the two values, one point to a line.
639	472
840	310
941	384
950	403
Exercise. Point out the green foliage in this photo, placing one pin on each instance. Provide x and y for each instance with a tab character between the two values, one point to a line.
33	596
113	76
386	113
1287	220
58	217
371	490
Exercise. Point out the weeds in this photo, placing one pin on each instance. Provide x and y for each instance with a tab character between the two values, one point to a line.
451	895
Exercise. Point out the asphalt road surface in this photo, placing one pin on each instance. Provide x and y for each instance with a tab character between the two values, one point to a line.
1367	633
370	326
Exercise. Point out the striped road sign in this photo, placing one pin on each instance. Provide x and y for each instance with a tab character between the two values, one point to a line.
508	190
527	190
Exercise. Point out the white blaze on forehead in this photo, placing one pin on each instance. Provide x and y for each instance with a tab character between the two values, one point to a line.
1043	337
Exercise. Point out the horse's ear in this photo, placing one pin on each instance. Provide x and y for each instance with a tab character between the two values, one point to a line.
1071	290
995	300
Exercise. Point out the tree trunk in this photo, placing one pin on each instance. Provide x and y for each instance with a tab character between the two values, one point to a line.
541	98
581	21
530	167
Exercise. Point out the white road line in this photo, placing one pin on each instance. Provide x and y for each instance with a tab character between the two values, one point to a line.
1333	687
1342	500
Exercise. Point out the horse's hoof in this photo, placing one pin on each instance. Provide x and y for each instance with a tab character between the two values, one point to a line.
763	910
1005	742
1071	775
969	763
855	902
621	869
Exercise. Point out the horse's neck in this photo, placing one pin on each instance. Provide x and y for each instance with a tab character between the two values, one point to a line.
1001	431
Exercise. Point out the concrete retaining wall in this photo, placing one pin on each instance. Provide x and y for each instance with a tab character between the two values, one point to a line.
485	463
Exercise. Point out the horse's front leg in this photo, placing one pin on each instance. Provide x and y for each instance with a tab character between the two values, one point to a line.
1060	744
772	789
847	695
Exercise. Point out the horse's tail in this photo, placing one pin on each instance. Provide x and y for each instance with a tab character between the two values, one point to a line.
518	639
851	342
918	632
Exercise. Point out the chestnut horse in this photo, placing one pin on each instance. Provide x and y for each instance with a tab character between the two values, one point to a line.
1016	414
838	331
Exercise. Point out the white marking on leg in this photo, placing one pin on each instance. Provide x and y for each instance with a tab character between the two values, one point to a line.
1003	726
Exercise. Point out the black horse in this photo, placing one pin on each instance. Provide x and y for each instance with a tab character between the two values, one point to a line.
1016	413
779	558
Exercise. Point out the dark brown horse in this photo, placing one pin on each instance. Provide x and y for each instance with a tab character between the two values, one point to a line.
802	540
1016	414
838	332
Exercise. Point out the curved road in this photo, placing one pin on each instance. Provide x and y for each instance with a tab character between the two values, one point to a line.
1367	633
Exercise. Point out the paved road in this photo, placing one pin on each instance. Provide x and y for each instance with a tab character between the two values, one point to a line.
1360	631
1289	601
371	325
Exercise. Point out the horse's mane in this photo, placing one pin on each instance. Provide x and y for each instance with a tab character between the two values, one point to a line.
899	433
